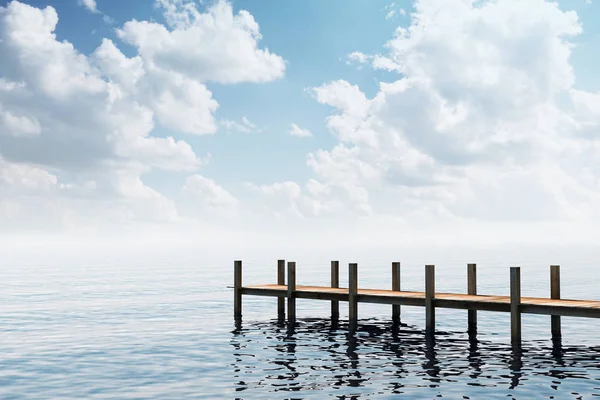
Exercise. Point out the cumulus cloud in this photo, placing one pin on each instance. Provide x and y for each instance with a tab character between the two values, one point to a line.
16	125
295	130
217	46
482	123
25	177
79	131
356	57
210	196
288	201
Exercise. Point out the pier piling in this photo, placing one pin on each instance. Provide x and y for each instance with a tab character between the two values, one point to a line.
281	281
472	290
335	283
515	305
555	294
237	286
396	287
352	295
291	292
429	299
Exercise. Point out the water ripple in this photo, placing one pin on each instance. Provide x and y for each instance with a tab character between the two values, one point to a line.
320	359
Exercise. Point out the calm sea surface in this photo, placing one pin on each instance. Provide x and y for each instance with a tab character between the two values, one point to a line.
167	332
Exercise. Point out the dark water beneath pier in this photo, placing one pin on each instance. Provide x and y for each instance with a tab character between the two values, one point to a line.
381	360
167	332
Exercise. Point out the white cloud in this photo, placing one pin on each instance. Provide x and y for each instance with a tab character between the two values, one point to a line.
489	131
25	177
295	130
181	103
77	132
89	4
393	10
211	197
244	126
178	102
19	125
216	46
343	96
282	198
108	20
359	58
288	201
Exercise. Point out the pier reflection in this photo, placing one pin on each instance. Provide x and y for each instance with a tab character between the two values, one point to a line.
322	356
515	365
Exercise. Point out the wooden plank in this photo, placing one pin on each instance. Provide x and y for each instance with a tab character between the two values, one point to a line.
465	304
396	287
352	295
335	283
237	285
301	292
281	281
540	309
306	294
392	299
555	294
477	298
429	299
271	291
291	295
515	302
528	305
378	292
472	290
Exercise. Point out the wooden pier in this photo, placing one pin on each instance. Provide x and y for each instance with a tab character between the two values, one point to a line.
430	299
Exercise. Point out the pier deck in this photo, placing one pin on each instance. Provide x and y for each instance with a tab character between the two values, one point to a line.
529	305
472	301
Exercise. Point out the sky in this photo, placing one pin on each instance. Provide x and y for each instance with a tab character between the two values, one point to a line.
171	124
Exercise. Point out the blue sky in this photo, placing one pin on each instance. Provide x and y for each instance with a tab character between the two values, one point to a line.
481	115
313	37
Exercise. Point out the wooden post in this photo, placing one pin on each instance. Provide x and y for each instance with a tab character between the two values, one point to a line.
335	283
515	302
291	295
429	297
237	289
281	281
472	289
555	294
396	287
352	295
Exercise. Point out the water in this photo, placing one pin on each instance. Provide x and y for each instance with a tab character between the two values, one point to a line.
319	359
166	331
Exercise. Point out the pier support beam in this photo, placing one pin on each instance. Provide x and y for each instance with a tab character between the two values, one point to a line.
281	281
515	305
353	296
335	283
396	287
237	289
472	289
555	294
291	293
429	298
